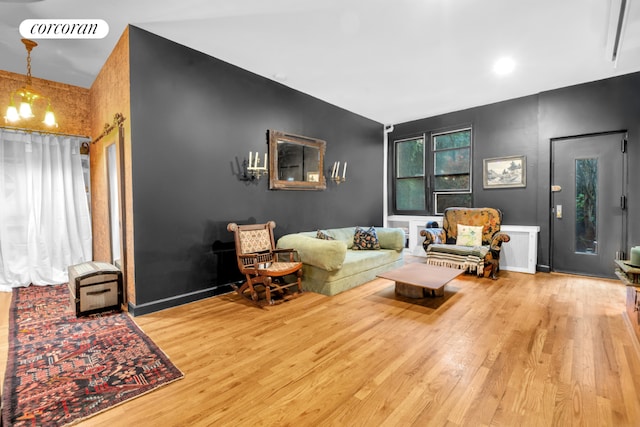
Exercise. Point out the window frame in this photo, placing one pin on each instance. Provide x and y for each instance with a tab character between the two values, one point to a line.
429	170
395	178
433	151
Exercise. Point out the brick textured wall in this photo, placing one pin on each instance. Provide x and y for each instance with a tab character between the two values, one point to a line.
110	94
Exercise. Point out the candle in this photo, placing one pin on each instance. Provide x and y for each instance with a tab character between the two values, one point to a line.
250	165
257	159
333	170
344	171
265	160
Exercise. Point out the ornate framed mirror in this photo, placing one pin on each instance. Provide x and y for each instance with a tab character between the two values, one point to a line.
296	162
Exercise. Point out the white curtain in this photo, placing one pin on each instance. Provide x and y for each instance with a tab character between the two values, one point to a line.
45	224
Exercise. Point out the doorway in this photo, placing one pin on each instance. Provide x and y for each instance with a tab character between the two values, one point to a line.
114	204
588	203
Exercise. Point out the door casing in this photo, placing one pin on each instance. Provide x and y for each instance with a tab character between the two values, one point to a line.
621	180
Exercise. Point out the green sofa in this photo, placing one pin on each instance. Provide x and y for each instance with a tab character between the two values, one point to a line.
332	266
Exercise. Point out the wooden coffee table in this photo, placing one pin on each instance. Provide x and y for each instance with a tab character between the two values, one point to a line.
417	279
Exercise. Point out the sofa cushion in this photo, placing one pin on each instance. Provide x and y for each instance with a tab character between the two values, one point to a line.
365	239
344	234
391	238
326	254
469	235
356	261
333	282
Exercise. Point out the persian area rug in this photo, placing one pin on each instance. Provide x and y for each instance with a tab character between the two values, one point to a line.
62	369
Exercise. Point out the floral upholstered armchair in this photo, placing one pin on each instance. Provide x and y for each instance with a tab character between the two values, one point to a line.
469	239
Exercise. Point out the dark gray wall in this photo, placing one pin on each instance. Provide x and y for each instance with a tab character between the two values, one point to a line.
194	119
526	126
503	129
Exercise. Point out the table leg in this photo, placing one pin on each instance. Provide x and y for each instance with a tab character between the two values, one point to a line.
409	291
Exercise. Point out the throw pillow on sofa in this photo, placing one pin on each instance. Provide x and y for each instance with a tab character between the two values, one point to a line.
469	235
323	235
365	239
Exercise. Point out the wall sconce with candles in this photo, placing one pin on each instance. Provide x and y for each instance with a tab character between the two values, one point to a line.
252	168
335	173
26	97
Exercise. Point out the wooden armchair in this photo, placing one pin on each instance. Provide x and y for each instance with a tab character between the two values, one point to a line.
447	247
264	266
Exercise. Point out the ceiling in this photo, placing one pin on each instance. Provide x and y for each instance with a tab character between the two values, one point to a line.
390	61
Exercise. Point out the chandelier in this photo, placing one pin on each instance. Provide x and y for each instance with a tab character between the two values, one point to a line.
26	96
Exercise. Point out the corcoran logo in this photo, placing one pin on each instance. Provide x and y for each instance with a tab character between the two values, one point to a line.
64	29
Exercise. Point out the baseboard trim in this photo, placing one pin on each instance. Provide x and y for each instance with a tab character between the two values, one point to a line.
163	304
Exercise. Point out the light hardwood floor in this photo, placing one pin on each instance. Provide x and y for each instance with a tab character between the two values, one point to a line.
525	350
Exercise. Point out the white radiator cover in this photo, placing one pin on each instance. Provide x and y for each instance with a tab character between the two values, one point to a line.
412	226
521	252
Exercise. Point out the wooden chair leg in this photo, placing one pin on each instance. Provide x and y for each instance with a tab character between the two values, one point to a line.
242	288
267	289
494	268
299	280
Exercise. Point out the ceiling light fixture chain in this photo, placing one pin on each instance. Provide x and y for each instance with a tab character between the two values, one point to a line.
29	45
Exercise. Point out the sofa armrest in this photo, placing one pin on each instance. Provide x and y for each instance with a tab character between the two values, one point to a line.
325	254
498	239
433	235
391	238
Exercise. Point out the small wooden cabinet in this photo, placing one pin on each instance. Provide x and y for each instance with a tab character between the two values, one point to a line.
95	287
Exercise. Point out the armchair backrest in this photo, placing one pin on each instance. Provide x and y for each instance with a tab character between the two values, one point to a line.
489	218
253	239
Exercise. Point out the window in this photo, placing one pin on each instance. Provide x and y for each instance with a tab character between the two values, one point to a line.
430	177
409	174
451	169
586	206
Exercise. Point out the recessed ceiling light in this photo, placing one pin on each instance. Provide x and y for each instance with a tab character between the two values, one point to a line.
504	66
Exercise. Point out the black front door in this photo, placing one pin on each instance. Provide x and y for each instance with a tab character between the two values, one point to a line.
588	209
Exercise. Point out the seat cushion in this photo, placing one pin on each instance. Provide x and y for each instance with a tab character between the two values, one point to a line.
280	268
356	261
469	258
478	251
